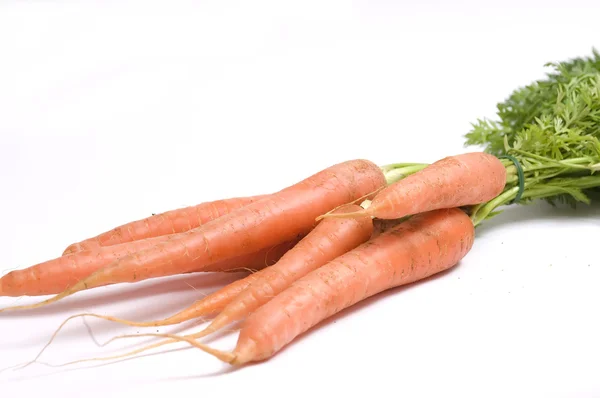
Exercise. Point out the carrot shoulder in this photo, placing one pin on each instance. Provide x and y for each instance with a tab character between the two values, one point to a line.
169	222
455	181
283	216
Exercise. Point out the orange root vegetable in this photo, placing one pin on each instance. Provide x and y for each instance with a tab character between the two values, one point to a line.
210	304
54	276
424	245
455	181
282	216
213	303
81	259
169	222
217	301
330	239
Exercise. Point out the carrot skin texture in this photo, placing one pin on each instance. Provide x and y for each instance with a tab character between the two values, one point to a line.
455	181
328	240
283	216
426	244
56	275
218	300
169	222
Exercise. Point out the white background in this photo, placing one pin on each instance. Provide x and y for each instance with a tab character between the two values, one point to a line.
111	111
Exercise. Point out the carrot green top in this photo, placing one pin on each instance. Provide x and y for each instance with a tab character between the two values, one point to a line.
552	128
548	137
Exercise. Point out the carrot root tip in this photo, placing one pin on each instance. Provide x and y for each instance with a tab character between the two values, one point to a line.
344	215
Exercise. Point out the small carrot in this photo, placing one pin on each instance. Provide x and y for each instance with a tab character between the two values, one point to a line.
56	275
455	181
425	244
330	239
169	222
281	217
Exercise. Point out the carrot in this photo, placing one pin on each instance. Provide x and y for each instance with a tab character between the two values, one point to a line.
425	244
281	217
212	303
169	222
220	299
56	275
291	260
455	181
330	239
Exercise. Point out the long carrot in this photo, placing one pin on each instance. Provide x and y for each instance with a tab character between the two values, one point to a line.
281	217
56	275
207	305
425	244
455	181
328	240
169	222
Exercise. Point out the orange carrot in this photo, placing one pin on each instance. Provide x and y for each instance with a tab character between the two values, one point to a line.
425	244
169	222
212	303
455	181
330	239
56	275
222	298
326	241
280	217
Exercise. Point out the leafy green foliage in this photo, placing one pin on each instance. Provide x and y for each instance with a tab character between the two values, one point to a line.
544	114
552	126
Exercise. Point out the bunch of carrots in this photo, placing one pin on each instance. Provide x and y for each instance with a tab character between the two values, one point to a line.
346	233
